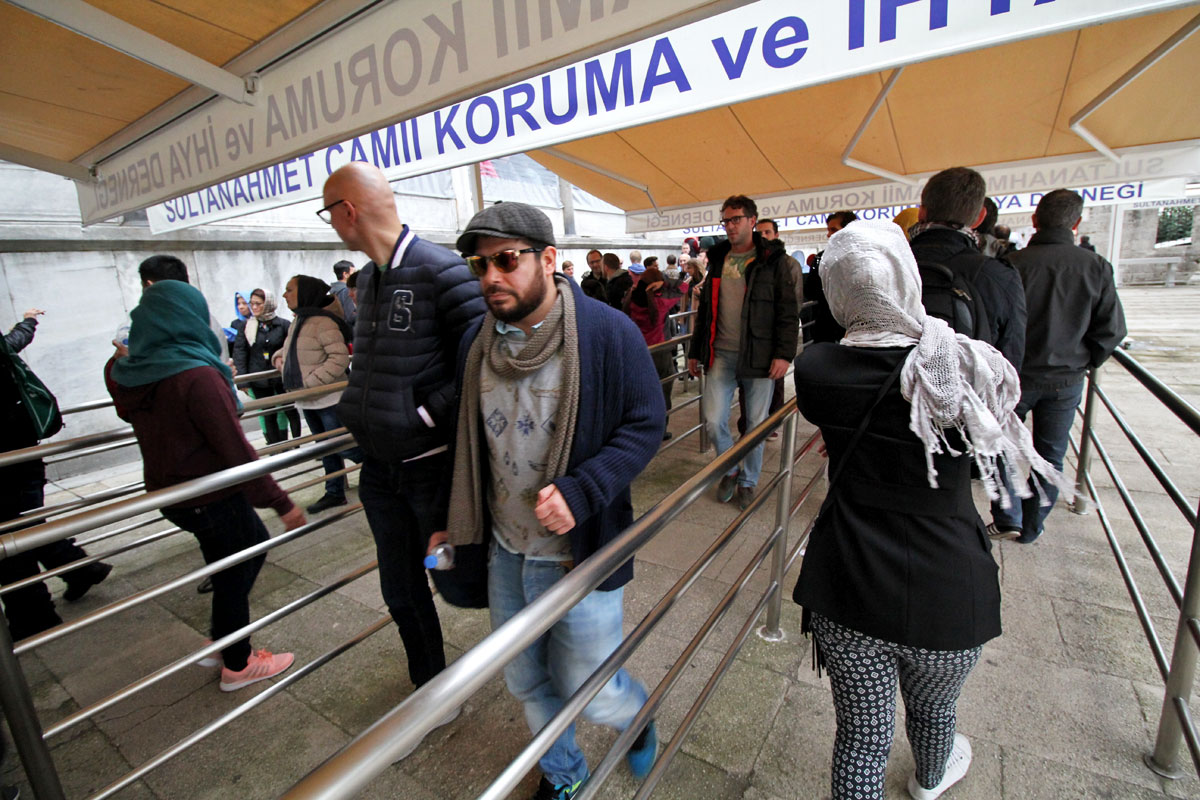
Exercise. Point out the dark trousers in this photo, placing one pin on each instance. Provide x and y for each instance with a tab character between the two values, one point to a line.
271	429
400	500
664	364
321	420
224	527
30	610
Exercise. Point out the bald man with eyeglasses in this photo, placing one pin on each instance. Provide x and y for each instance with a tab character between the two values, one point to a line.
416	299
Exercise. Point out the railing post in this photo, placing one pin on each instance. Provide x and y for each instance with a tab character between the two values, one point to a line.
783	515
24	724
703	421
1164	759
1081	504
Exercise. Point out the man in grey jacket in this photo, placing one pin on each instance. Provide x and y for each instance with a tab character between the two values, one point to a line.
1074	322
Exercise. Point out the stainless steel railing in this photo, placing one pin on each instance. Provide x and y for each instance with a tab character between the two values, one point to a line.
405	726
28	735
1178	673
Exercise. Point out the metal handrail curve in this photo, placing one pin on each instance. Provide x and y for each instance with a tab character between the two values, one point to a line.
402	728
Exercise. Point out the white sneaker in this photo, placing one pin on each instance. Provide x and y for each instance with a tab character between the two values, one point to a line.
956	768
446	720
210	660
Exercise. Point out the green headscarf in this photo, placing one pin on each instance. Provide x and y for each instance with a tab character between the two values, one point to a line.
169	334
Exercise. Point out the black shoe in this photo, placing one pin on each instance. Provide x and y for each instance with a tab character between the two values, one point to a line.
205	586
9	793
666	435
327	501
745	495
1005	534
726	487
84	578
548	791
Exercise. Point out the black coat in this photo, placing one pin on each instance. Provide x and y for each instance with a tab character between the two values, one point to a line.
770	309
411	318
1075	317
998	284
255	356
889	556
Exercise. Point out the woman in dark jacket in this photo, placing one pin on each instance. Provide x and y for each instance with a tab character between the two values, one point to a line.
253	348
898	583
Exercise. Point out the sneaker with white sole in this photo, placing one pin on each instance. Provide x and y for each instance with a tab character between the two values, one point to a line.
956	768
210	660
261	665
998	534
446	720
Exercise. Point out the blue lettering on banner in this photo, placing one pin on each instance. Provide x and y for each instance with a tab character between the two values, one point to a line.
384	149
446	128
888	11
572	100
734	65
357	151
329	151
664	54
513	110
621	79
772	43
490	133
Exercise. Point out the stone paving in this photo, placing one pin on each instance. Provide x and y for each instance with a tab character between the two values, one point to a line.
1063	705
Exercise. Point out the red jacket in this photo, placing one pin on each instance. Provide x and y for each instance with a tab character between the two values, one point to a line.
187	427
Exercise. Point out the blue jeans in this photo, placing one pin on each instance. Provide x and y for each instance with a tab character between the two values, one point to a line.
400	501
549	671
719	385
326	419
1053	412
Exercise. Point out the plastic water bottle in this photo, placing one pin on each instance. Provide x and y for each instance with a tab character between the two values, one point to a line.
123	335
442	557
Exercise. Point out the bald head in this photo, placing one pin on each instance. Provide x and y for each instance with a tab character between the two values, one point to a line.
363	209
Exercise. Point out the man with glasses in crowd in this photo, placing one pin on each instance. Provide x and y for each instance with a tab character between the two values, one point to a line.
747	327
560	409
415	301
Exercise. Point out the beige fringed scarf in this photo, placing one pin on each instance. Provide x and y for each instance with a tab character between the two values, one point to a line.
559	330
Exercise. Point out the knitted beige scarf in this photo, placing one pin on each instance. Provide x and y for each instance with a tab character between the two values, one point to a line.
465	523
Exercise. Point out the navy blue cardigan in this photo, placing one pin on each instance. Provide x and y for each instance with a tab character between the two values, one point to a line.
619	427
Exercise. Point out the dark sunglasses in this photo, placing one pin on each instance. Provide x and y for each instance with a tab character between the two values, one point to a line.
506	261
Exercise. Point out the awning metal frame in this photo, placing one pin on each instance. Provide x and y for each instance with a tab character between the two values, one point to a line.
599	170
862	128
116	33
68	169
1076	123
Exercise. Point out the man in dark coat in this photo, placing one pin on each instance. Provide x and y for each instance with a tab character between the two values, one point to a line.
747	332
416	299
560	410
1075	321
951	205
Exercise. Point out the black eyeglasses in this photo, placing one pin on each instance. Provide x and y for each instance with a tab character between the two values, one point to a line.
326	213
506	260
732	220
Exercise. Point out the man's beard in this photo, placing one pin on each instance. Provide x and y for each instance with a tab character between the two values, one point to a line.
525	306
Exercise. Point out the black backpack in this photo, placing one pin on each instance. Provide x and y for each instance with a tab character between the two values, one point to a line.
951	295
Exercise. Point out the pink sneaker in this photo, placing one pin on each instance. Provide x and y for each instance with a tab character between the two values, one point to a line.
262	665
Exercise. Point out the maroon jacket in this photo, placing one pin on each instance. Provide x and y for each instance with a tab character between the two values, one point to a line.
187	427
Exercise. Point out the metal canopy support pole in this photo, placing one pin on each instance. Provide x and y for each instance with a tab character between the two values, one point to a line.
28	158
783	516
23	722
599	170
1120	83
1165	758
111	31
1083	463
862	128
566	194
477	187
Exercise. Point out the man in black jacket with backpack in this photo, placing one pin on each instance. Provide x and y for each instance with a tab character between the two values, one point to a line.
951	205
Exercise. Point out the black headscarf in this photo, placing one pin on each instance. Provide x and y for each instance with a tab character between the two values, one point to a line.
312	299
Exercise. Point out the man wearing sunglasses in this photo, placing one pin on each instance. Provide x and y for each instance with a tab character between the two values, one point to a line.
560	409
747	330
415	301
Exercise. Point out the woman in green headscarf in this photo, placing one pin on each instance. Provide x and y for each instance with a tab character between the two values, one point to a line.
178	394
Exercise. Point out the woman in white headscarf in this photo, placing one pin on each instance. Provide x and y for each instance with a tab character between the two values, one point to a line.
898	582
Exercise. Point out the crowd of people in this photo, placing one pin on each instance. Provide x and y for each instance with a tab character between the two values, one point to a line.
503	407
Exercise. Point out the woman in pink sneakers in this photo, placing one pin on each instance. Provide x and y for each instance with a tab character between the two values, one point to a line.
898	583
177	392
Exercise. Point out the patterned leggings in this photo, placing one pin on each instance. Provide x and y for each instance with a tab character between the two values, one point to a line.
863	672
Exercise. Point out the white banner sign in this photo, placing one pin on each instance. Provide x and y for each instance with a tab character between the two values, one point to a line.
1149	173
763	48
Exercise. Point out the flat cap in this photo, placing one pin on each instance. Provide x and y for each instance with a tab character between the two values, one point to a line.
507	221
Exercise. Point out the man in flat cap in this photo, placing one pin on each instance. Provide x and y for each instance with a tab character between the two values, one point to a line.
415	301
560	409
